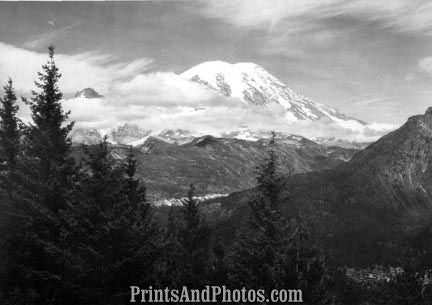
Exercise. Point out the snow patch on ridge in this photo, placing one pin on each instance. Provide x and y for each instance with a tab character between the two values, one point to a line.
180	201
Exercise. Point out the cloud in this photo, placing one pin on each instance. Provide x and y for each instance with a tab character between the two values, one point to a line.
402	15
156	101
164	100
261	13
425	65
368	100
81	70
290	27
163	89
46	38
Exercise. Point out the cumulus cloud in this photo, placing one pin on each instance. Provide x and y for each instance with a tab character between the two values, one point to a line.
164	89
81	70
425	65
212	120
158	101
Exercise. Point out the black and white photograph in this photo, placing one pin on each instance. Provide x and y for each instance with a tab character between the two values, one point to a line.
216	151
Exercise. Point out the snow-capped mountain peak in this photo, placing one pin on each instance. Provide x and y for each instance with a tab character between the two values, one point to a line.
88	93
178	136
130	134
230	79
252	84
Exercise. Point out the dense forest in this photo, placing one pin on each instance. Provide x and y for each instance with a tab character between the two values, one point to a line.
82	232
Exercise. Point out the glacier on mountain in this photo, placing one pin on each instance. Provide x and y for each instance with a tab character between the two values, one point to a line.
253	85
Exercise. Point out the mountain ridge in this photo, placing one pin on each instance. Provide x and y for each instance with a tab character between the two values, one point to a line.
130	134
218	165
379	198
89	93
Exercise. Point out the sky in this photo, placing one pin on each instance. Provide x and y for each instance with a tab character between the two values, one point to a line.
370	59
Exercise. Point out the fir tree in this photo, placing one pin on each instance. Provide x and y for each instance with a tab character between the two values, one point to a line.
170	266
220	268
268	177
47	139
9	128
9	149
257	255
35	260
195	241
108	232
305	266
412	286
135	189
273	252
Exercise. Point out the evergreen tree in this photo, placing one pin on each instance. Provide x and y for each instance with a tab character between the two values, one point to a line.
9	149
47	142
306	266
273	252
412	286
194	238
220	269
135	217
9	128
35	262
108	232
256	260
170	265
268	177
135	189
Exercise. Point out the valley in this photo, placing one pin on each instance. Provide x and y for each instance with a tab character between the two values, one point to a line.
168	164
364	209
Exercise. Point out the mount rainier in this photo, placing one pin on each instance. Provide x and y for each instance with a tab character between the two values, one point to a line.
271	103
252	84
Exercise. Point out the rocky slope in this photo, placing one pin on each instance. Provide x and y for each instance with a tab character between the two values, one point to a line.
221	165
365	207
400	164
129	134
88	93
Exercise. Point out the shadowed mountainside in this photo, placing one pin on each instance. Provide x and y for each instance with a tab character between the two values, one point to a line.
221	165
218	165
365	208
